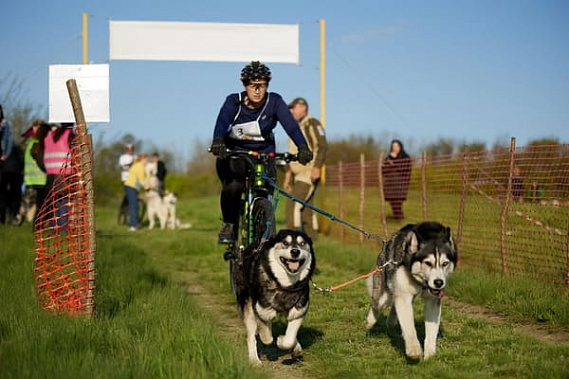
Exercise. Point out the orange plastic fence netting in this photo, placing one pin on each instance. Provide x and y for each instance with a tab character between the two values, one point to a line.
508	207
63	243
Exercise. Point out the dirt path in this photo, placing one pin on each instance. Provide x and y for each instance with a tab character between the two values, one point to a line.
279	365
276	364
541	332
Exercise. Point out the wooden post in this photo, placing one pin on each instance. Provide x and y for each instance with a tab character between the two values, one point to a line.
424	185
362	194
341	198
505	208
382	213
86	165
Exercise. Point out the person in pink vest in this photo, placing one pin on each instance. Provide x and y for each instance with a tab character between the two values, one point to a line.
57	163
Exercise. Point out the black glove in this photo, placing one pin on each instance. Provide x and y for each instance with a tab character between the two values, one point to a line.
218	148
304	154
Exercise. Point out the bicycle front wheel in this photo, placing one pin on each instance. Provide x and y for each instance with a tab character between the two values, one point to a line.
263	220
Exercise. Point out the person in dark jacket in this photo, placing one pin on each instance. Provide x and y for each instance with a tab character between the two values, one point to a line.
161	172
11	185
396	171
246	122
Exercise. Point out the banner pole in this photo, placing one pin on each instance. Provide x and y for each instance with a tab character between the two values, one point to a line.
323	114
85	38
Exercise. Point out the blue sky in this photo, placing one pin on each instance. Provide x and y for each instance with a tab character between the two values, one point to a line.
470	71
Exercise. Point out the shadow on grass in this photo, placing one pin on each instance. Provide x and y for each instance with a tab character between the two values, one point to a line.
395	338
306	337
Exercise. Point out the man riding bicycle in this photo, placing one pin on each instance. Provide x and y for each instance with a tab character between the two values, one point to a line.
245	122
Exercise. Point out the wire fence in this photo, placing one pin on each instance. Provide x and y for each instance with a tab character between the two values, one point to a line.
508	208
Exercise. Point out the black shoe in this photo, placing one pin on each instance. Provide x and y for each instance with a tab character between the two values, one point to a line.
226	233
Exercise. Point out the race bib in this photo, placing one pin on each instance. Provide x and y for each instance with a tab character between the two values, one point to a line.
249	131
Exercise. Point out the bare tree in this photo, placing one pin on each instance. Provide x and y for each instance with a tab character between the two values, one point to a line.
17	109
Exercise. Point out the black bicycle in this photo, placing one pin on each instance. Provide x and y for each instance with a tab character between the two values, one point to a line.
257	215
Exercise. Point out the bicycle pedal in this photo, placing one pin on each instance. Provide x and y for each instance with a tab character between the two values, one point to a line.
228	255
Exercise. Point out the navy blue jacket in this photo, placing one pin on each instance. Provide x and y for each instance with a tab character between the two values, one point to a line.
276	110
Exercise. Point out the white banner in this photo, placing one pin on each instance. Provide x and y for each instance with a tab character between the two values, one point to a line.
203	41
93	85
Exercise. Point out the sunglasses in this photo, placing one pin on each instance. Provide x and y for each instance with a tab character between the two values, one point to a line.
257	86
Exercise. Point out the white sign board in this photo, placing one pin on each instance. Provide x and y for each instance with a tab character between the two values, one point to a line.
93	85
203	41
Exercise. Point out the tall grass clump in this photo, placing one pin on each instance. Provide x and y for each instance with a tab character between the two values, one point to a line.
144	325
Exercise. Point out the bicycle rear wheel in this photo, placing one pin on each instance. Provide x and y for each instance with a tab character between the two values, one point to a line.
234	252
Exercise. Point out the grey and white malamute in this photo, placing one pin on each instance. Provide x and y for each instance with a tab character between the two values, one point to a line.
275	279
422	256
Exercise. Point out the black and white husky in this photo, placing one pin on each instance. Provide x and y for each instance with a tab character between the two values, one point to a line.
416	261
275	279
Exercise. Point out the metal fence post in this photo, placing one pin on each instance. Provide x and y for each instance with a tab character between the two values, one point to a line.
362	194
424	185
506	206
381	194
462	201
341	198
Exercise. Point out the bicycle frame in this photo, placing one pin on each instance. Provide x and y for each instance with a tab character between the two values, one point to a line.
257	206
255	189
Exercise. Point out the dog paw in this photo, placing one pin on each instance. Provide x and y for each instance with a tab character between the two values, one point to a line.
297	351
370	319
255	361
266	339
283	344
414	351
429	352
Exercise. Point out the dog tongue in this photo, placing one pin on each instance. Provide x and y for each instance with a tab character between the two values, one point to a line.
440	294
293	265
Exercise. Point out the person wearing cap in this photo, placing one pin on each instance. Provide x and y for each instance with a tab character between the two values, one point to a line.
246	122
135	183
301	181
34	176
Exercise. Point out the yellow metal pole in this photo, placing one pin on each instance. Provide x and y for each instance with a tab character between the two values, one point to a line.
323	114
323	72
85	38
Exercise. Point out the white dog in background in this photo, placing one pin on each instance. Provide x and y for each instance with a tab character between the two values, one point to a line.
156	209
163	208
154	203
170	201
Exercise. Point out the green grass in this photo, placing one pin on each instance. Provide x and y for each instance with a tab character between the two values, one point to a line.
147	325
144	325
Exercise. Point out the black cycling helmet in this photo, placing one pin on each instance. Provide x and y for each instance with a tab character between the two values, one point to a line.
255	70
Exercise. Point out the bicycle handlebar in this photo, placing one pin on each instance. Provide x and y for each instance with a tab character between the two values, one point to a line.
287	157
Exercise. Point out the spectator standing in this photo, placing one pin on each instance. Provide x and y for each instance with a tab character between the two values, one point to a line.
6	140
125	161
161	172
35	177
396	171
6	146
246	122
56	159
517	185
132	186
301	180
11	186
